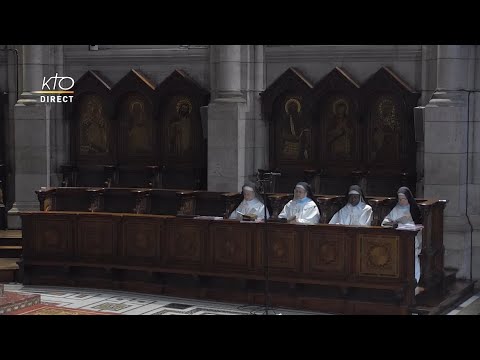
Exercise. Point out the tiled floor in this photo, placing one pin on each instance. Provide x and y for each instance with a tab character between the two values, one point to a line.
469	307
127	303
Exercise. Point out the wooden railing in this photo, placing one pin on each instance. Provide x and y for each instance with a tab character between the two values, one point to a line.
328	268
190	203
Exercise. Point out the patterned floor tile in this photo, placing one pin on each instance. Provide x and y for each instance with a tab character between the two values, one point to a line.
129	303
110	306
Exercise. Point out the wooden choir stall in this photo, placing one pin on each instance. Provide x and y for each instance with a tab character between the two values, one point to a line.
181	243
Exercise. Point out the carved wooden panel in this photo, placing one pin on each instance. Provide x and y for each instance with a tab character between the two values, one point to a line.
134	116
182	132
326	253
336	119
186	243
340	121
338	127
377	256
293	130
386	127
230	246
53	237
283	248
90	115
292	142
389	104
96	237
141	238
372	276
94	127
134	125
136	121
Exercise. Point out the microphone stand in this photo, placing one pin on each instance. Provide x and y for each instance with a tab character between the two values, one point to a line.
266	242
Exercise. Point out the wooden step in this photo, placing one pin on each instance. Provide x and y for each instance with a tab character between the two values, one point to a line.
11	238
9	269
10	234
9	263
10	247
10	251
10	242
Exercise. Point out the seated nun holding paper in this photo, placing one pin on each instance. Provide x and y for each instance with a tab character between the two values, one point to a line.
302	209
251	208
405	214
356	212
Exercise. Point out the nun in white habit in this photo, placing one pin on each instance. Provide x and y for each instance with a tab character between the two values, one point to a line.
407	212
302	209
250	205
356	212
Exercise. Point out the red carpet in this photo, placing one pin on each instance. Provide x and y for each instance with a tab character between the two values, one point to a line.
10	301
44	309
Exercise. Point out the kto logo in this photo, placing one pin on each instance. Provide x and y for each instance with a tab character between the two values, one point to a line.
59	85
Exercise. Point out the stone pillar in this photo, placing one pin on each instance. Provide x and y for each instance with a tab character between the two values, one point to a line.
260	159
31	137
59	130
14	91
474	169
446	149
428	86
228	71
32	64
429	72
226	122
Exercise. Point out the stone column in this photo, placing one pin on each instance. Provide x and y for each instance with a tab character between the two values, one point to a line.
13	82
428	86
32	64
474	169
447	147
228	72
31	137
59	130
260	159
226	121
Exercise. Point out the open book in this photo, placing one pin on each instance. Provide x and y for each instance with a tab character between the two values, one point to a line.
410	227
389	223
247	217
209	217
